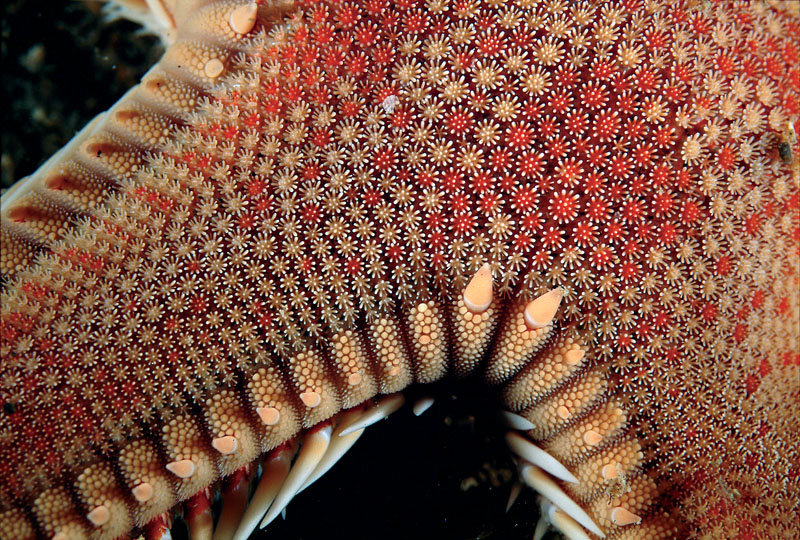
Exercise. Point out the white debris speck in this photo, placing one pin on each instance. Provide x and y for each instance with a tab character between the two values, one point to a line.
390	103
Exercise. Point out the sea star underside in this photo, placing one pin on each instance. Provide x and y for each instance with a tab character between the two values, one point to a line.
305	207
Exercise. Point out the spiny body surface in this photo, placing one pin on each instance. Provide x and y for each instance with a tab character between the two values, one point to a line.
282	219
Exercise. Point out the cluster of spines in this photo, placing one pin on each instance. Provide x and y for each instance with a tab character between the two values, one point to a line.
198	453
147	478
644	287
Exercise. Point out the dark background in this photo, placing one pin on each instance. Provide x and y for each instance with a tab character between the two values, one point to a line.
62	65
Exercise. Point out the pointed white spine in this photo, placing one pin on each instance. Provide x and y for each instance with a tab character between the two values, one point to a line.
386	405
532	453
182	469
422	405
276	469
540	312
314	446
515	421
567	526
516	489
478	293
622	516
339	446
541	482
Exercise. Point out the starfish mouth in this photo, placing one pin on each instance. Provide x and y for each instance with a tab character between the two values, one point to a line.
554	397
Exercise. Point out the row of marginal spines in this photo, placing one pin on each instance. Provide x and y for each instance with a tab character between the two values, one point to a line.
387	355
276	402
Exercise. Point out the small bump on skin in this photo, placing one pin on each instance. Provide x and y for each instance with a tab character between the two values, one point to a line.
540	312
184	468
99	516
213	68
243	18
592	438
225	445
478	293
311	399
143	492
268	415
621	516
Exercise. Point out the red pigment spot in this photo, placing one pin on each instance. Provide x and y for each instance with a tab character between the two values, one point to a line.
682	180
524	199
709	312
459	203
740	332
752	224
601	257
725	64
632	210
394	253
597	209
254	120
371	197
530	165
247	221
613	231
481	182
436	241
463	224
519	136
500	159
552	237
489	202
690	212
452	181
790	358
199	304
426	178
522	241
726	158
265	320
321	138
435	220
764	368
723	265
584	234
384	159
783	306
230	132
564	206
311	213
743	312
383	54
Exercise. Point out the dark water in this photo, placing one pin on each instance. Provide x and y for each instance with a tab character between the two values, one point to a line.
61	66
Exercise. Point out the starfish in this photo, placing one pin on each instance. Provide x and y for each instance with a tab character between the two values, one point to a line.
305	208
